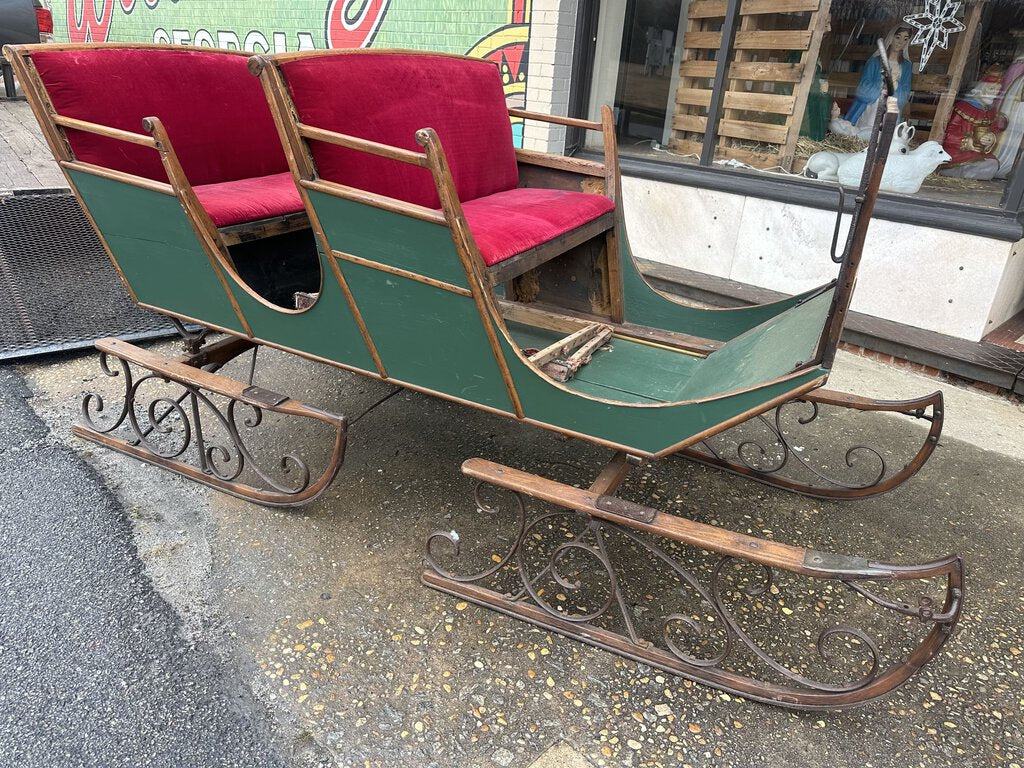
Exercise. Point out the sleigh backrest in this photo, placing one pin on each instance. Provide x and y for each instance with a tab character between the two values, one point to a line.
213	109
387	97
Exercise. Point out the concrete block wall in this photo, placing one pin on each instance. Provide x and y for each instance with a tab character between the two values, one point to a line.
948	282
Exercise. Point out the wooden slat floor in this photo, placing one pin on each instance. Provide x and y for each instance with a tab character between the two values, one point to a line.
25	161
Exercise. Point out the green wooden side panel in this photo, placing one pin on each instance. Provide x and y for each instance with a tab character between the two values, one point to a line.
645	429
645	306
389	238
640	372
327	329
157	250
428	336
633	372
773	349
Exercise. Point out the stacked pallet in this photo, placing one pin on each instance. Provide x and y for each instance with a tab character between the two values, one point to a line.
771	71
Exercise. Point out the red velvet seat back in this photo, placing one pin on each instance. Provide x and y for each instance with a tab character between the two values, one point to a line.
214	110
387	97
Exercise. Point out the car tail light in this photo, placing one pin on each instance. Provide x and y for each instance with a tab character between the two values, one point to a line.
44	20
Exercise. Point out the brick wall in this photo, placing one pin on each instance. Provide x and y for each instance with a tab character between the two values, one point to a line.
552	34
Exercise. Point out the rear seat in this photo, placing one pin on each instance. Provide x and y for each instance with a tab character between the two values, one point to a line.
214	111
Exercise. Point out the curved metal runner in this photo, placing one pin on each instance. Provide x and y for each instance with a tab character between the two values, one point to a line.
219	462
780	462
730	648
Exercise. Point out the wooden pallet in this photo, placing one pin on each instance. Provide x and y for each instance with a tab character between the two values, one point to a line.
774	53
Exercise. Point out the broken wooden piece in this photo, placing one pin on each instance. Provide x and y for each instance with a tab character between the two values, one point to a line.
555	360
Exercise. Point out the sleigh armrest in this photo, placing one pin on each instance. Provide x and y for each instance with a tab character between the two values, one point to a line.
571	122
362	145
105	130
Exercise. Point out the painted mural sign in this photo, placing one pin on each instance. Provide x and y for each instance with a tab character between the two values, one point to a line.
498	30
225	24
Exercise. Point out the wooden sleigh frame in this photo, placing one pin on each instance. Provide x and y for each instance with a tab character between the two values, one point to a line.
364	240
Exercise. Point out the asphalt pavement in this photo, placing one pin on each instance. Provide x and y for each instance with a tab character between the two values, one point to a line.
95	669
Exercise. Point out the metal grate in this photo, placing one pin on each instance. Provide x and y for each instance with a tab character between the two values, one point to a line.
58	289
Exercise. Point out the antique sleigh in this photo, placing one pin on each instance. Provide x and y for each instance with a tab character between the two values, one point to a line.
368	209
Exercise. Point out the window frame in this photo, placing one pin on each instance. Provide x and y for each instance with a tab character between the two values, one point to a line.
1004	222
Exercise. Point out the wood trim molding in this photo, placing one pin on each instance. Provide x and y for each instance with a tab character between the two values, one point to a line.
124	178
416	276
468	252
200	220
383	202
303	168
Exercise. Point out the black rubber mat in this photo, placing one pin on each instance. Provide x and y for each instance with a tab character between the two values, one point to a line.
58	289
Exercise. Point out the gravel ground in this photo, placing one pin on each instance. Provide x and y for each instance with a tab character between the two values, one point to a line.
319	616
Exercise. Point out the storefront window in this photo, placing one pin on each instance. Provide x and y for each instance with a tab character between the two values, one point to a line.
803	79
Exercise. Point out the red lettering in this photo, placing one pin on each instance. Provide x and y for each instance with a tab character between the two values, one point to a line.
88	26
354	23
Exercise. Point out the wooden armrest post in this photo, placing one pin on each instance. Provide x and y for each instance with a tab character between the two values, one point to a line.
216	250
613	188
612	179
176	175
300	159
469	254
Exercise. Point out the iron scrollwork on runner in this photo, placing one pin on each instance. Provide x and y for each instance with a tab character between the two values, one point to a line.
782	448
202	425
581	576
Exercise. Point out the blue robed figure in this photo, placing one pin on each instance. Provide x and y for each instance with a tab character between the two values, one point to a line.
869	89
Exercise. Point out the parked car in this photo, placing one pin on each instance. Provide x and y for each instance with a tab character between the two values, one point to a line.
22	21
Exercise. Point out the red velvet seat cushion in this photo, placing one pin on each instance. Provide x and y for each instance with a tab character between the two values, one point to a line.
507	223
214	110
387	97
237	202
